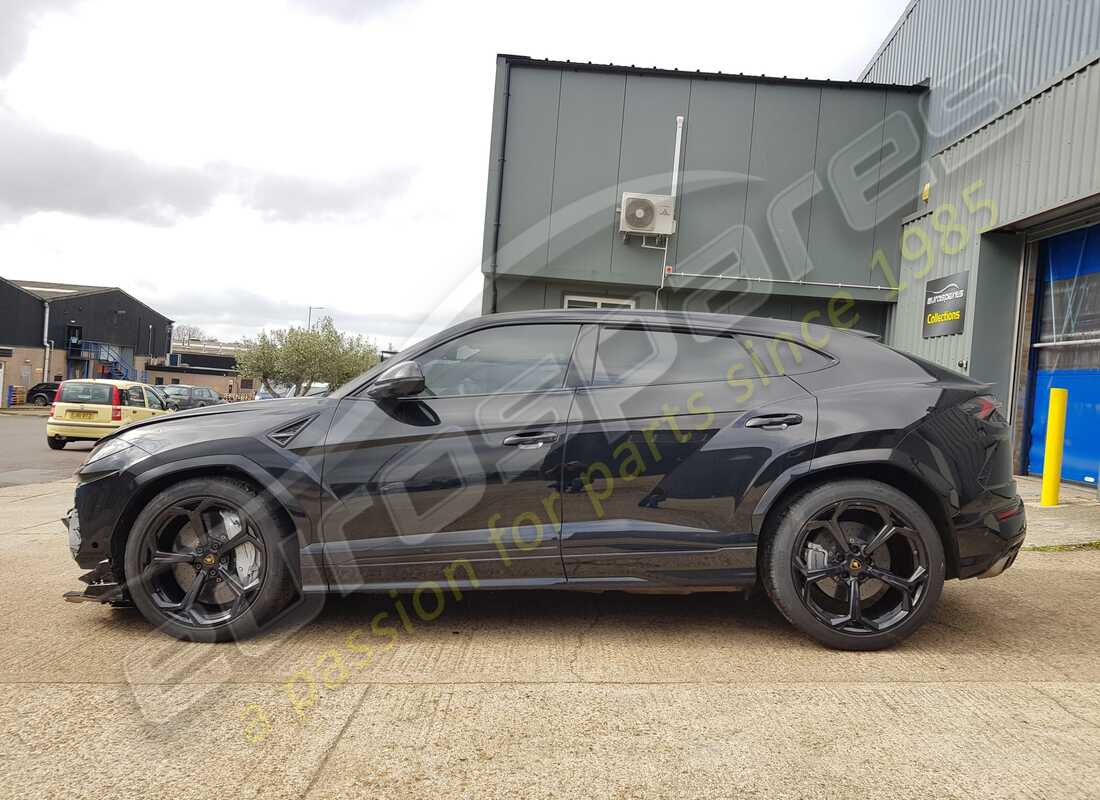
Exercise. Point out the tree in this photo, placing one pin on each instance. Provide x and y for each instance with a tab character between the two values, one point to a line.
297	357
184	332
261	357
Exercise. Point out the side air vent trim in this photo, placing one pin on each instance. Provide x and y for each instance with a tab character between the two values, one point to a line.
285	435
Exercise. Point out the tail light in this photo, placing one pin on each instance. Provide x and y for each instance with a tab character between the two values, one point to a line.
116	405
53	409
985	408
1009	513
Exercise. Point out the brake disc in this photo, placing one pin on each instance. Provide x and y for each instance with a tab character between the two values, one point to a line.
245	557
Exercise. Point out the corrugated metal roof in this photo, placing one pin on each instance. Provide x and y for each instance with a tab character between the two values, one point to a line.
621	69
982	57
46	290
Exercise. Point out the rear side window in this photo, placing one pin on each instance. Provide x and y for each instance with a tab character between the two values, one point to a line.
781	356
636	357
134	397
88	393
514	358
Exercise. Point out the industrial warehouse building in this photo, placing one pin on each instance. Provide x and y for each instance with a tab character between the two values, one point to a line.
55	331
51	332
948	200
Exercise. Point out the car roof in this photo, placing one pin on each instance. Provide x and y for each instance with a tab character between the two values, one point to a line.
841	340
696	320
108	381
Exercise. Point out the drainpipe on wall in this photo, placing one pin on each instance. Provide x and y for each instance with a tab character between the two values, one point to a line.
500	190
672	193
45	340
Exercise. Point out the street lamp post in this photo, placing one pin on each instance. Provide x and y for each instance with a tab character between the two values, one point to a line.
309	316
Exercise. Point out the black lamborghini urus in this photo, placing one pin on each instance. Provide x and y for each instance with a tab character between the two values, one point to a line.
588	450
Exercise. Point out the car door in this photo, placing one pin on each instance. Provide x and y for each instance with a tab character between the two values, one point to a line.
154	402
134	407
668	447
462	482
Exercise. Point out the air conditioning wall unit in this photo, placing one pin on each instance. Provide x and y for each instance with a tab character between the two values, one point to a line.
647	214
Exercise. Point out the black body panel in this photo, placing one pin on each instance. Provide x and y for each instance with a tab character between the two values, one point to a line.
654	478
659	486
416	484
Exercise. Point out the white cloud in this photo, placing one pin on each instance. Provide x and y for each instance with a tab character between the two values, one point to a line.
345	144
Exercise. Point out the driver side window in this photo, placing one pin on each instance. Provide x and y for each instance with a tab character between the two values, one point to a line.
154	400
515	358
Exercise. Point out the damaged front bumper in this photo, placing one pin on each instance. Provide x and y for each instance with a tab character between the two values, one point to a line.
102	584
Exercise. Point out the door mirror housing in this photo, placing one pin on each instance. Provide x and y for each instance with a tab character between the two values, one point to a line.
401	380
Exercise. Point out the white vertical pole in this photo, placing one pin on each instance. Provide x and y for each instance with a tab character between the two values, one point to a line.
675	183
676	155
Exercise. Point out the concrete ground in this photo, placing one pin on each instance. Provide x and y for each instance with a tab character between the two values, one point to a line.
24	455
1074	520
547	694
541	694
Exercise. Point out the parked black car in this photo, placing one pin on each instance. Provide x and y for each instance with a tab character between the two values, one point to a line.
584	450
42	394
186	397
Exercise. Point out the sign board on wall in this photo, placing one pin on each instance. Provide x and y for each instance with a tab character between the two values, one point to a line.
945	305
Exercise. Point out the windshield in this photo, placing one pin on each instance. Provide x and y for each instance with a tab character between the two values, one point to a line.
96	393
175	391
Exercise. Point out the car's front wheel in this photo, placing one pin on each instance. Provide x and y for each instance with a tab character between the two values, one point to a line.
856	564
207	560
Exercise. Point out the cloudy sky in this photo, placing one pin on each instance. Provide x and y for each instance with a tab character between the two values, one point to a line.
233	162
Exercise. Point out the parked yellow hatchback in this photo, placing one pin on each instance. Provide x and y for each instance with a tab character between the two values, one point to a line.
86	410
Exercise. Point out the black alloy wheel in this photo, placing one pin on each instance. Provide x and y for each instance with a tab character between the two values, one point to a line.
206	560
856	564
860	566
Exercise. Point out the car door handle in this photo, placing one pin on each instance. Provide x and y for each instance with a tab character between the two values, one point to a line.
531	441
774	422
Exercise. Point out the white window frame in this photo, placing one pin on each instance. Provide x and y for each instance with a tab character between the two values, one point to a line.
617	302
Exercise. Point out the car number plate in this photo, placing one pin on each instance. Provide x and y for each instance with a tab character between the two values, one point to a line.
81	415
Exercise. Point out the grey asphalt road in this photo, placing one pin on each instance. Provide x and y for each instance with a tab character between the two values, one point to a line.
544	694
25	458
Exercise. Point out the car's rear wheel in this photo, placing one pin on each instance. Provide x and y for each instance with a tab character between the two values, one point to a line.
56	442
207	560
856	564
40	400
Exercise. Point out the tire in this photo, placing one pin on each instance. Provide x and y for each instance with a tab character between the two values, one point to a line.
40	400
56	442
158	584
820	559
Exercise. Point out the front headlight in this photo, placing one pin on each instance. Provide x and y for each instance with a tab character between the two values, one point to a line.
107	448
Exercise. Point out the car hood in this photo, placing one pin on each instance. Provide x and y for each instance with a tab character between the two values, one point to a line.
224	420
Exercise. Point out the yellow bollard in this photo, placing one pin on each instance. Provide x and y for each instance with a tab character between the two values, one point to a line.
1052	455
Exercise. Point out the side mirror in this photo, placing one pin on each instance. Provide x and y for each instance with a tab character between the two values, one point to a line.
400	380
